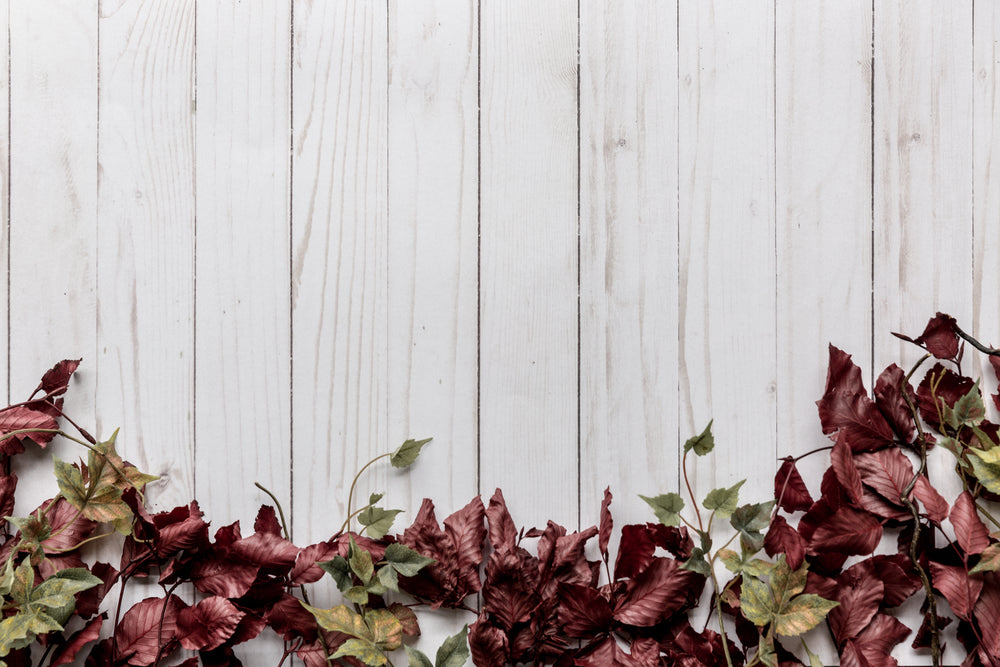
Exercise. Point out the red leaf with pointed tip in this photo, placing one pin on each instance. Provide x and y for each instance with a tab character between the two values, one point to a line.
790	489
958	588
639	542
845	406
8	486
68	527
208	624
781	538
266	550
56	379
970	531
607	653
923	636
290	619
847	532
604	534
897	576
657	593
33	415
509	592
887	472
306	570
68	651
842	462
935	506
314	654
181	529
267	521
940	337
583	611
221	576
488	644
503	533
987	613
466	531
995	363
948	386
859	594
89	601
148	629
890	402
876	642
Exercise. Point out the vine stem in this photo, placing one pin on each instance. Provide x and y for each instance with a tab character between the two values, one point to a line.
354	482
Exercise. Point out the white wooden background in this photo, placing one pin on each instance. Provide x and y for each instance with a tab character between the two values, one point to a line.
556	235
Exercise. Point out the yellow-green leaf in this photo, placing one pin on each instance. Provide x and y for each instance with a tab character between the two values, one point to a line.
814	660
377	521
417	658
766	653
454	650
386	630
801	614
989	560
755	602
341	619
357	595
784	583
363	650
986	467
361	562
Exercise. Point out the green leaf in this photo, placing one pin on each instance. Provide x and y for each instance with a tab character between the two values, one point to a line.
802	614
968	410
377	521
387	631
388	578
417	658
986	467
7	580
34	529
57	593
697	563
667	508
341	619
374	498
357	595
723	501
405	560
340	570
454	651
752	518
814	660
407	453
755	602
363	650
360	561
71	484
989	559
766	653
701	444
744	563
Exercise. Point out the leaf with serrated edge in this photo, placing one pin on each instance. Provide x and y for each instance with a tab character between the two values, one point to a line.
377	521
701	444
341	619
454	650
723	501
801	614
755	602
667	508
417	658
357	595
404	560
363	650
407	453
986	467
989	560
968	410
387	631
361	562
340	570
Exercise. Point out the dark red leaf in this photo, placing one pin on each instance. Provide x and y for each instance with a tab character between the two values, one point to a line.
181	529
33	415
935	506
503	533
583	611
940	337
69	529
147	630
306	570
847	532
876	642
890	402
789	489
607	653
897	576
509	591
944	385
289	618
842	462
845	406
562	558
89	601
970	531
8	485
68	651
488	644
466	531
923	637
887	472
958	588
56	379
987	614
221	576
657	593
995	363
781	538
604	535
859	594
639	542
208	624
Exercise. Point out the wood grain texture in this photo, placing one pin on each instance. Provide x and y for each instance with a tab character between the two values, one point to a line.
628	271
727	286
528	289
823	208
4	202
432	236
53	198
146	235
339	272
243	348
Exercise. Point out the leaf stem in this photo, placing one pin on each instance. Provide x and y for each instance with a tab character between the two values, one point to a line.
354	482
281	512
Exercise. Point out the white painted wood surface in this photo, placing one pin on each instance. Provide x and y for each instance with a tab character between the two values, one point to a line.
557	236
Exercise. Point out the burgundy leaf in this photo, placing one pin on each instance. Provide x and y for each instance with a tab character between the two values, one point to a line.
944	385
604	535
923	636
935	506
89	601
781	538
897	576
842	462
583	611
488	644
290	619
845	406
562	557
69	529
56	379
847	532
33	415
221	576
508	594
958	588
657	593
859	595
987	614
789	488
407	619
147	630
503	533
940	337
68	651
306	570
466	531
639	542
888	472
970	531
181	529
607	653
208	624
890	402
995	363
8	485
876	642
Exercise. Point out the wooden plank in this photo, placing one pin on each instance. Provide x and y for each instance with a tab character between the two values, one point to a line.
628	235
339	272
5	38
528	270
923	183
145	268
727	238
243	351
53	196
824	219
433	231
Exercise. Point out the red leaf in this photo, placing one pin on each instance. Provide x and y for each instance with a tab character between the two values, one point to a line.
306	571
89	601
888	472
842	462
466	531
181	529
890	402
607	653
970	531
987	613
847	532
897	576
208	624
789	488
935	506
8	485
948	386
923	636
56	379
289	618
657	593
781	538
503	533
604	534
639	542
221	576
859	595
876	642
583	611
33	415
147	630
940	337
509	591
67	652
995	363
958	588
845	406
488	644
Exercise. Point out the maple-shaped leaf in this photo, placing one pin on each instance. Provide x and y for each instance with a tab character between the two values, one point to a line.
66	653
657	593
781	601
377	520
702	443
790	491
847	532
488	644
890	401
989	560
940	337
845	406
23	419
208	624
400	560
55	381
986	467
667	508
149	629
583	611
958	588
723	501
970	531
407	453
604	531
781	538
